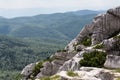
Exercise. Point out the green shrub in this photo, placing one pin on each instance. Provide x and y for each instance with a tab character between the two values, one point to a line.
37	68
61	50
116	37
118	79
45	78
93	59
117	70
48	59
71	73
18	77
86	41
99	46
55	77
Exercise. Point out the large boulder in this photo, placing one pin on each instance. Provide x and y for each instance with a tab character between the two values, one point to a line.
51	68
27	71
73	63
112	61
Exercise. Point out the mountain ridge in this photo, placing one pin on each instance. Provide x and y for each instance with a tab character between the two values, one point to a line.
46	23
84	58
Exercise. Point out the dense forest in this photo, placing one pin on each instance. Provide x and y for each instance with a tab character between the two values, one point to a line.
16	53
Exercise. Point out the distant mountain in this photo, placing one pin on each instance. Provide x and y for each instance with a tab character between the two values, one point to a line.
58	25
94	53
86	12
30	39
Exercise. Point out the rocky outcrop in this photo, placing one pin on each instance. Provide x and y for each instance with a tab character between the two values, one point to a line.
73	64
49	68
88	73
103	32
27	71
103	27
112	61
112	47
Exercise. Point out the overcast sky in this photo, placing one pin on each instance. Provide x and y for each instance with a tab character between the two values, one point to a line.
48	6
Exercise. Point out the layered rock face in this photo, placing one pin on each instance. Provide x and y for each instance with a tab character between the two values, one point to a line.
103	27
105	30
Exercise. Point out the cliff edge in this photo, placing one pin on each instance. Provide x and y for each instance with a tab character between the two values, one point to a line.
102	36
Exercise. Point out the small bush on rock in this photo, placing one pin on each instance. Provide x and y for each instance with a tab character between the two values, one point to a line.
71	73
45	78
61	50
55	77
37	68
99	46
86	41
93	59
49	59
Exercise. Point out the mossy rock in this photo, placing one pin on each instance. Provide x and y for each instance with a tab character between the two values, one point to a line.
37	68
54	77
71	73
98	46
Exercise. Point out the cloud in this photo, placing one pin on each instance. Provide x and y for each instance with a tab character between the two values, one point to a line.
14	8
67	4
59	4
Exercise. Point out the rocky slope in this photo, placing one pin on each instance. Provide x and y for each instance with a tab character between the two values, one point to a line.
102	35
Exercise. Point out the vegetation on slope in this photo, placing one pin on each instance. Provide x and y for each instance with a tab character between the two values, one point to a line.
93	59
16	53
59	25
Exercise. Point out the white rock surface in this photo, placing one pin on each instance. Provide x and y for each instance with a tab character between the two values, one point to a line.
88	73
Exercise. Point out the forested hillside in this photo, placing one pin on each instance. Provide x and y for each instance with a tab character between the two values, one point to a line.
25	40
16	53
57	25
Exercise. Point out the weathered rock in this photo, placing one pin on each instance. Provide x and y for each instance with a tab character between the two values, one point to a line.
115	11
70	46
27	71
104	29
112	61
73	63
50	68
88	73
80	47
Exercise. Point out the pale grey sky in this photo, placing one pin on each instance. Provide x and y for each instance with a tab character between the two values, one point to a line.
51	6
60	4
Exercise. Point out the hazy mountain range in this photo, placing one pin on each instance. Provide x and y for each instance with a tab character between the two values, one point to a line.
10	13
57	25
29	39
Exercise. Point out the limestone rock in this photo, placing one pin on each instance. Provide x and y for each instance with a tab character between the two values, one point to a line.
80	47
70	46
112	61
26	72
103	29
88	73
51	68
73	63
